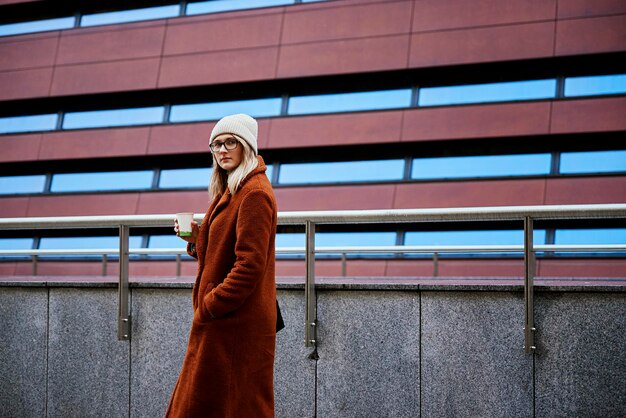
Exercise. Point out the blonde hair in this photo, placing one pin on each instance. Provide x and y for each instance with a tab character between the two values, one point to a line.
220	178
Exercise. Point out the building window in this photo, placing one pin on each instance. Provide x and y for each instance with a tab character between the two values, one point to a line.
215	6
110	118
349	102
22	184
217	110
594	236
413	238
16	243
315	104
338	239
37	26
290	240
166	241
85	243
32	123
355	239
481	166
340	172
88	243
369	171
486	93
138	15
191	178
81	182
125	16
595	85
184	178
495	237
593	162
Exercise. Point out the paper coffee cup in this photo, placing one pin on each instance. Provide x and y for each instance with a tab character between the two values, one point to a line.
184	223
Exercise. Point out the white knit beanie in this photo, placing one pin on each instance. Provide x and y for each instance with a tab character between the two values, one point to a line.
241	125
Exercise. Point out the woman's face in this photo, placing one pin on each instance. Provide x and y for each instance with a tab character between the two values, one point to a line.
227	159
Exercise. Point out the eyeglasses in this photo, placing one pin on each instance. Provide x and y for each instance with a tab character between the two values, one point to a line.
230	144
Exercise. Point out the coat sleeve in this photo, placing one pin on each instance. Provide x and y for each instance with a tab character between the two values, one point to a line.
255	232
191	250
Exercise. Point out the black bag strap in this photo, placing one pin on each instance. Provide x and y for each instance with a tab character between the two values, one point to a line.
280	324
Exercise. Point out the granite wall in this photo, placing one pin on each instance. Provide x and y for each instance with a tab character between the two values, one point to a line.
383	352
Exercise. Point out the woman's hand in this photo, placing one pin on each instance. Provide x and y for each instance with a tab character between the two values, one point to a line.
194	232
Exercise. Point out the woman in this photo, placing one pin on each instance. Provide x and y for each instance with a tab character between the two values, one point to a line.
228	369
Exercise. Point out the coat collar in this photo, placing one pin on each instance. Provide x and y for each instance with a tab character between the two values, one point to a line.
260	169
223	199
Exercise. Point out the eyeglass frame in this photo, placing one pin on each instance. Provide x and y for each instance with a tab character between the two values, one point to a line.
223	143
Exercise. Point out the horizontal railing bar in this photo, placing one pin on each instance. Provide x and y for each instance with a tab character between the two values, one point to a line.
65	222
101	251
96	251
580	247
453	248
405	249
347	249
497	213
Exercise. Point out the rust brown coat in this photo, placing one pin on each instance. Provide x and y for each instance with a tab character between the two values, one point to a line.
228	369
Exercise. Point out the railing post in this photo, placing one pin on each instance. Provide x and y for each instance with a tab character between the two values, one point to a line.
310	319
105	259
344	265
123	317
529	274
35	261
178	267
435	264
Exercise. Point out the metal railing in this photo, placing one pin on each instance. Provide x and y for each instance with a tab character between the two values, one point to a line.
339	252
526	215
